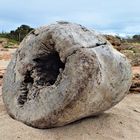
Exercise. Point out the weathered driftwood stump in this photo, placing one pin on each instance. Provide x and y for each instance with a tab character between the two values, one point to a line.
64	72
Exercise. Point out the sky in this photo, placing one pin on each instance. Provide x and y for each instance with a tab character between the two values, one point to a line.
121	17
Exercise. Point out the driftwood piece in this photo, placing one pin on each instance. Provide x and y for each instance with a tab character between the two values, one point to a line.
64	72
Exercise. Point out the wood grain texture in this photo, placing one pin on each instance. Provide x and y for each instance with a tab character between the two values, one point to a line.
62	73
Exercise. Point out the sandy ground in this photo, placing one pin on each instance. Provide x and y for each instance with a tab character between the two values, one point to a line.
122	122
136	69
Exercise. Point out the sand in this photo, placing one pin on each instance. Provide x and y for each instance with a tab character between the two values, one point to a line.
122	122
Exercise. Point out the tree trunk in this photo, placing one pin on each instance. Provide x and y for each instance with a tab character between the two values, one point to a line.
64	72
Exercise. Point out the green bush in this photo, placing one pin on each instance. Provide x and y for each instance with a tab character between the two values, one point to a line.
18	34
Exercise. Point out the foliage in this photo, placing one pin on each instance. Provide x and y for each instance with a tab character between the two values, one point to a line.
134	39
17	34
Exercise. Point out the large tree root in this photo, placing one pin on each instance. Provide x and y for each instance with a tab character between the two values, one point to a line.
61	73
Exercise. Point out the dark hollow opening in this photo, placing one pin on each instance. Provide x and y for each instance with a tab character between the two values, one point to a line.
28	78
23	89
48	68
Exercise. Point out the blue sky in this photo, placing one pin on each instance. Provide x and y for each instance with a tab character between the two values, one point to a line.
110	16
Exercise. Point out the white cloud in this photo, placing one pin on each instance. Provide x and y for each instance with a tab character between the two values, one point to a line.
120	16
132	29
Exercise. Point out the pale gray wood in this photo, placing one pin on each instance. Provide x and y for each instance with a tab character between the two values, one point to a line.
64	72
